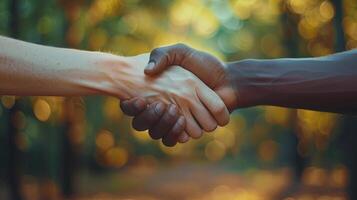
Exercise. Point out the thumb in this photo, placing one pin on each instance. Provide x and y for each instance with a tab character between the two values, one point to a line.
164	57
134	106
158	61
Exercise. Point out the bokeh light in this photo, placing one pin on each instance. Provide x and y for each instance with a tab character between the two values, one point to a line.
104	140
116	157
268	150
42	110
215	150
8	101
111	109
18	120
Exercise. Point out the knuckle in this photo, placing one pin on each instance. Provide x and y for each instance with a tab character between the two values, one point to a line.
187	100
158	53
192	84
191	81
219	109
190	78
184	49
187	95
132	107
181	46
149	116
178	128
167	123
155	112
181	97
168	120
173	111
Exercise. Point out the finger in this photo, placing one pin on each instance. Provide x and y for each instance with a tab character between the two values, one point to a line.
149	117
166	122
171	138
192	128
163	57
183	138
203	117
134	106
214	104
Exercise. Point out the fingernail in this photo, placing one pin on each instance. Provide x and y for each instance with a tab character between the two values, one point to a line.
172	110
159	108
183	138
181	120
177	127
150	66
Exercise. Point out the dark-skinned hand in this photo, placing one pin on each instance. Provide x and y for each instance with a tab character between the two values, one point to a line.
206	67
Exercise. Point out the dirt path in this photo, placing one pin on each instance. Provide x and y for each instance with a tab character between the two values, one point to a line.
202	182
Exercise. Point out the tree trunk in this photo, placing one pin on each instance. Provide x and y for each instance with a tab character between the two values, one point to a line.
349	123
14	157
291	38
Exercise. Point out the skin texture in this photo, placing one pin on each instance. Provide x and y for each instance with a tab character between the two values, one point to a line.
326	83
209	69
30	69
168	128
178	86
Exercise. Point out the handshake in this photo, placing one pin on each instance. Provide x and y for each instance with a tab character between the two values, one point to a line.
188	91
177	92
182	93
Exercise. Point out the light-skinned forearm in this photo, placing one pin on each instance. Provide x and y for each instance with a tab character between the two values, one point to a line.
324	83
31	69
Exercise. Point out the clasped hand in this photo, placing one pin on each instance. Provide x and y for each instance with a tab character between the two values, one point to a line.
200	107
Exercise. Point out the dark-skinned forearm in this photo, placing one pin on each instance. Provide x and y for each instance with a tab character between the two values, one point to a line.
325	83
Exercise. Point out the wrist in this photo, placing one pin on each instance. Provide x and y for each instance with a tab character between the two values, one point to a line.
96	71
249	79
122	77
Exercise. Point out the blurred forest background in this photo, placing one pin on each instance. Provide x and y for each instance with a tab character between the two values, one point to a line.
84	148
